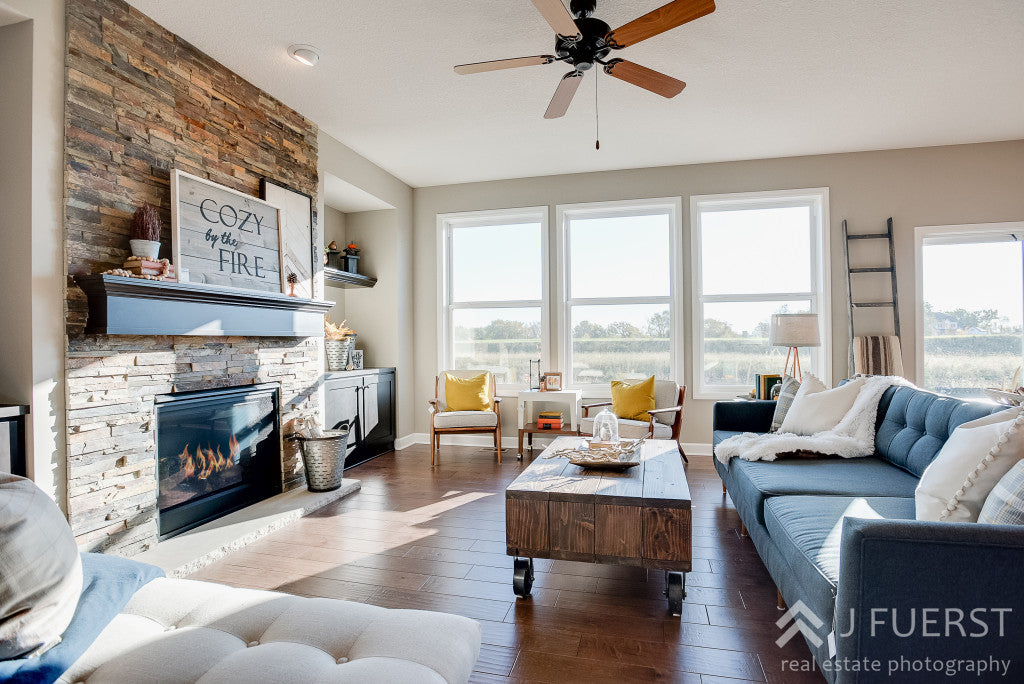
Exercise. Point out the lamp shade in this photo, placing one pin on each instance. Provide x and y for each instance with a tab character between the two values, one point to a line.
794	330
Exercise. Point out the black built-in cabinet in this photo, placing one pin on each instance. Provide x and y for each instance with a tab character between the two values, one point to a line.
366	400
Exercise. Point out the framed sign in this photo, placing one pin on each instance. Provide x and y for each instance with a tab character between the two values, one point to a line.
225	237
296	233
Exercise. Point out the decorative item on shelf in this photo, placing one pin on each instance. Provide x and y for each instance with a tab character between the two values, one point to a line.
137	267
764	383
145	233
356	359
552	382
535	376
293	280
351	258
338	340
606	428
550	420
297	234
794	331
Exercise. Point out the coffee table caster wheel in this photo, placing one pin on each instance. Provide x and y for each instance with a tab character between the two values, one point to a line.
676	591
522	576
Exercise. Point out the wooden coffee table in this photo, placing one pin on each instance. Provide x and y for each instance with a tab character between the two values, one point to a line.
638	517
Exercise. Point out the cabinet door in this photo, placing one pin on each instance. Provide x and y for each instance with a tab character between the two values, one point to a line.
342	405
379	399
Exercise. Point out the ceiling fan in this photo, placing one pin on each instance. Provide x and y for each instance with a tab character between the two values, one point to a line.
581	41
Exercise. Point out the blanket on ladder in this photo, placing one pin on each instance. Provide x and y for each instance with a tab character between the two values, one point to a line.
853	437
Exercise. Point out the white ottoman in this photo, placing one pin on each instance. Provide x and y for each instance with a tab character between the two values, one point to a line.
176	630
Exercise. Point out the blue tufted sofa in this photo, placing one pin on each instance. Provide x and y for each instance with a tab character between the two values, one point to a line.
839	535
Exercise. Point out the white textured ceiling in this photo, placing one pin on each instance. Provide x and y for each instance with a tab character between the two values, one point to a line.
765	79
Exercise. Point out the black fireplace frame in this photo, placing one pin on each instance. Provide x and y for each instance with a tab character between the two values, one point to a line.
183	517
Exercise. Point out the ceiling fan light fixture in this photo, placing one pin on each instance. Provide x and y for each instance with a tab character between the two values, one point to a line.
304	54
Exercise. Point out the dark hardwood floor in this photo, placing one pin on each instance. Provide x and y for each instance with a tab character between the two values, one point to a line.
434	539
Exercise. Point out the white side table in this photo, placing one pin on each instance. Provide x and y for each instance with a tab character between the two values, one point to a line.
528	423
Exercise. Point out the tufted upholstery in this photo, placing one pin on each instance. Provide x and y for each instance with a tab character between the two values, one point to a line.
176	630
915	424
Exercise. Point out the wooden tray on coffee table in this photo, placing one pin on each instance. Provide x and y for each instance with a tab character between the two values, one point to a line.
638	517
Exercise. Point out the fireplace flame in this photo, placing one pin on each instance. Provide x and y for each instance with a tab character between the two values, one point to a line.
202	463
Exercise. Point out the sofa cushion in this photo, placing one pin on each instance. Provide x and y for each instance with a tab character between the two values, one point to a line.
751	482
183	630
457	419
915	424
40	569
807	530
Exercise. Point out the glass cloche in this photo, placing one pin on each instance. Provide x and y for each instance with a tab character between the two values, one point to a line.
606	428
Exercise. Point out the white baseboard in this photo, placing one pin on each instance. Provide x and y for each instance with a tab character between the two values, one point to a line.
512	442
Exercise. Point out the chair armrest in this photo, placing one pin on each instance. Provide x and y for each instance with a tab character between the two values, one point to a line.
432	406
939	572
743	416
674	409
587	407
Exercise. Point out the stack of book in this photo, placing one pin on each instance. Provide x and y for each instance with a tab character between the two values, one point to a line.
763	385
549	420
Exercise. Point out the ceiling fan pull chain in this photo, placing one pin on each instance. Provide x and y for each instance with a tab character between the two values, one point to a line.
597	116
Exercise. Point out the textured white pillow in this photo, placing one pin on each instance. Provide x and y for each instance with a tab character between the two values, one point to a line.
817	408
975	457
40	569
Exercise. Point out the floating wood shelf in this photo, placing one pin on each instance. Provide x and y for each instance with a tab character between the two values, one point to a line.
345	279
134	306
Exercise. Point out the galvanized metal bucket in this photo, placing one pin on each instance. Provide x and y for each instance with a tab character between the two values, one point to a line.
323	458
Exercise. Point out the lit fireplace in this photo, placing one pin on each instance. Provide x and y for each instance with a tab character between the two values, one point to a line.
217	451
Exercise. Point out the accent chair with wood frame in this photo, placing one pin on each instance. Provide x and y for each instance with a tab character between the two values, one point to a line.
445	422
666	418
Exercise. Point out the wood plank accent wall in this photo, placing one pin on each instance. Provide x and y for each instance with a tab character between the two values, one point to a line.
140	102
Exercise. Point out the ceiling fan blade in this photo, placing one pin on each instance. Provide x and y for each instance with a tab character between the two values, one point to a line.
648	79
479	67
558	17
658	21
563	95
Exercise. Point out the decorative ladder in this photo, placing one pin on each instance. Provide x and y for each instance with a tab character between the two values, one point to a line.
890	269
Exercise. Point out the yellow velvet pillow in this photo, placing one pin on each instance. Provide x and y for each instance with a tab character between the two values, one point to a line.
467	394
633	402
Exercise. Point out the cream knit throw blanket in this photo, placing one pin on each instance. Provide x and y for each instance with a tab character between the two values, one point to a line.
853	437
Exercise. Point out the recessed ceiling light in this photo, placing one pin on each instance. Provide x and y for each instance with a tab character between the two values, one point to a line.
304	54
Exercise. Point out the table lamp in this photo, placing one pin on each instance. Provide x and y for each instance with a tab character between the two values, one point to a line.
794	331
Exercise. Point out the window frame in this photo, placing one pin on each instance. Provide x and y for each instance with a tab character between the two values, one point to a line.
820	295
565	213
967	232
446	223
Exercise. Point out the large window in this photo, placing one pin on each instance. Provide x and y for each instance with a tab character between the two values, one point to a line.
493	291
618	315
971	309
754	255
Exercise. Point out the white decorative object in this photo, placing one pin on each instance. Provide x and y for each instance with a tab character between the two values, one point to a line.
819	409
606	429
297	234
968	466
356	358
225	237
146	249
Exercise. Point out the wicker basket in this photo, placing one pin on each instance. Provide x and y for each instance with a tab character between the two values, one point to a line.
323	458
337	352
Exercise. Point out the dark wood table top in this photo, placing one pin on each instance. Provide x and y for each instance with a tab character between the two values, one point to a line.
658	482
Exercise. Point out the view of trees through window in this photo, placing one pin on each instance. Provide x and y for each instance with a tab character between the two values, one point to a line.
973	325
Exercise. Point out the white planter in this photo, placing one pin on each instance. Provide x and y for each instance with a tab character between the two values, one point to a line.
145	249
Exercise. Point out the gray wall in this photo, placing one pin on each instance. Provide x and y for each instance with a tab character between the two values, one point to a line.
382	316
924	186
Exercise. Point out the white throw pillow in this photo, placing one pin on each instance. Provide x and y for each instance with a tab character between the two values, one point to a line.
975	457
40	569
817	408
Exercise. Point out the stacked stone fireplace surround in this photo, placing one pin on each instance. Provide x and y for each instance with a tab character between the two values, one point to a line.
141	102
